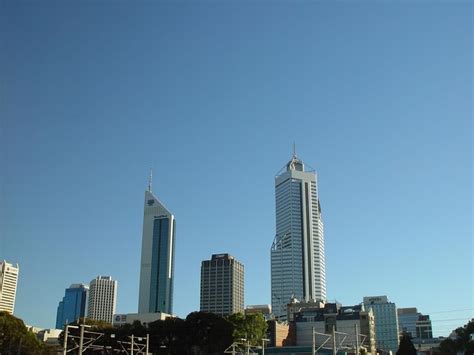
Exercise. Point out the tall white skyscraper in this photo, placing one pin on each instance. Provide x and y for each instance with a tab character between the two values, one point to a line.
102	298
157	261
8	282
297	254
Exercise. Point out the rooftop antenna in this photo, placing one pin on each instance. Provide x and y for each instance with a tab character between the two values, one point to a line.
150	180
294	150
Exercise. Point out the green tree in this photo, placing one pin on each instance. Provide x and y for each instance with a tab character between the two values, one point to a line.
406	346
462	342
252	327
15	338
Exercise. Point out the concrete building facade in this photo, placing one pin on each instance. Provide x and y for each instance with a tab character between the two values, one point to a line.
353	326
222	285
297	253
386	322
8	285
102	298
157	257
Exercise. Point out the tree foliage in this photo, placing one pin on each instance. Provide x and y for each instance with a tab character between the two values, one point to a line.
252	327
462	342
15	338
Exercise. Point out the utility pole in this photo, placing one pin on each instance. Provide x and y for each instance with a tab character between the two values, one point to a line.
131	346
65	340
147	342
334	350
357	339
81	339
313	348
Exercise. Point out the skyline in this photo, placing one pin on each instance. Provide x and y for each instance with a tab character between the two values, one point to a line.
377	97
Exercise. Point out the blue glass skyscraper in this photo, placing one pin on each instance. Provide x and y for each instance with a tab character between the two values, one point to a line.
157	260
73	305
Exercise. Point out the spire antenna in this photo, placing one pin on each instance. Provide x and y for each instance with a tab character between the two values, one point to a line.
294	149
150	180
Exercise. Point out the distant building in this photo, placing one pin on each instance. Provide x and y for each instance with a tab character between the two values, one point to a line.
263	309
295	306
8	284
222	285
143	318
72	306
297	253
413	323
157	259
102	298
350	323
386	322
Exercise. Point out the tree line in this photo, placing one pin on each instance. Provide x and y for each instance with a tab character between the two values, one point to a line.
199	333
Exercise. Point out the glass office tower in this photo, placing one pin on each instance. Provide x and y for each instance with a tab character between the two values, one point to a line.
297	253
157	260
73	305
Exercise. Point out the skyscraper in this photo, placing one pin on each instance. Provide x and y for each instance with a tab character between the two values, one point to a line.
297	253
157	261
72	306
8	282
102	298
386	322
222	285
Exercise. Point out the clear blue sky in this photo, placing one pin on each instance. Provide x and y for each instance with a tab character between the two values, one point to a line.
212	95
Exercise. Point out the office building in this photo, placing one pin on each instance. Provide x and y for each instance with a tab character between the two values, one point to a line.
73	305
222	285
8	284
102	298
297	253
351	323
414	324
157	259
386	322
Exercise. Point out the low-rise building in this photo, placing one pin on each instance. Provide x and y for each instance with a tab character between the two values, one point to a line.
352	326
143	318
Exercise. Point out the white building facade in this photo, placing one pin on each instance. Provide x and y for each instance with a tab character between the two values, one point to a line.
157	259
297	253
8	284
102	298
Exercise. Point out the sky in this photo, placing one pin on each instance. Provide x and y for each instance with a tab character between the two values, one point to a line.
376	95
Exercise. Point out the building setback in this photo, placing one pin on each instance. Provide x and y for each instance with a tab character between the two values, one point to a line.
72	306
297	253
157	259
386	322
8	284
222	285
102	298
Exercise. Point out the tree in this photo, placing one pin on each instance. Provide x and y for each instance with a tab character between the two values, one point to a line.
462	342
252	327
15	338
406	346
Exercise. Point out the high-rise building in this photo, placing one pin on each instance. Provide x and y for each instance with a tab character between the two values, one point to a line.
102	298
222	285
297	253
386	322
8	283
414	324
157	260
72	306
